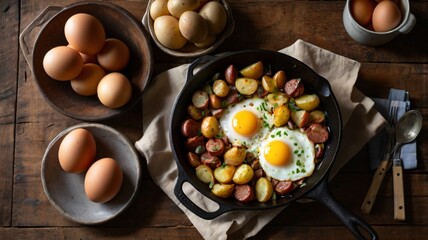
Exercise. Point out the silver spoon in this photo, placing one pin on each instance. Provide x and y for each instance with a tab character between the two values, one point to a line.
407	128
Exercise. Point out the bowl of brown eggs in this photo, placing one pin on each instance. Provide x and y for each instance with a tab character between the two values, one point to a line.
90	173
90	60
188	28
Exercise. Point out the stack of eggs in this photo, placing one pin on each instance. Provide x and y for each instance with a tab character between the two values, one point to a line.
379	15
178	22
91	62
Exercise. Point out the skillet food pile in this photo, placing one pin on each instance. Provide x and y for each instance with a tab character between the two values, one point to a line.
253	134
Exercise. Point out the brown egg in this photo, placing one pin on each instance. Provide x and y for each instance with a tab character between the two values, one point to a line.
386	16
87	82
103	180
193	26
62	63
87	58
114	56
85	33
77	151
362	10
114	90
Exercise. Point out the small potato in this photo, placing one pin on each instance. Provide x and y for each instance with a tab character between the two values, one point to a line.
158	8
205	174
177	7
254	70
220	88
264	189
281	115
246	86
223	190
317	116
243	174
307	102
209	40
280	78
194	112
209	127
230	74
277	99
224	174
300	118
234	156
269	84
215	101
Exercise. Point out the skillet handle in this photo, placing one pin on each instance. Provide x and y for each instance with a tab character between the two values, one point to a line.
197	63
187	202
322	194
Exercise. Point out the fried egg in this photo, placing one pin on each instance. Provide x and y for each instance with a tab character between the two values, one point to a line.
287	155
247	123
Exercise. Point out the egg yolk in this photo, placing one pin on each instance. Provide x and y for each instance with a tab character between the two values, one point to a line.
245	123
277	153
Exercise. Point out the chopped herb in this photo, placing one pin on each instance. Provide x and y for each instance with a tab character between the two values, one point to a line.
299	155
292	105
298	163
223	165
272	136
296	152
276	105
278	133
199	149
303	170
264	116
211	185
224	104
266	125
295	144
303	184
297	170
285	133
216	76
203	113
303	151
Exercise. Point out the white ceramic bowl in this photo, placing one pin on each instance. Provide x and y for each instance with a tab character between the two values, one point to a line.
372	38
66	191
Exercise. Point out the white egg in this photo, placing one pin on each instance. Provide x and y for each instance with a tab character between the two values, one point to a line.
247	122
287	155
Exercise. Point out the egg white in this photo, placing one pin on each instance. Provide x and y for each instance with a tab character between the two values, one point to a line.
302	150
261	109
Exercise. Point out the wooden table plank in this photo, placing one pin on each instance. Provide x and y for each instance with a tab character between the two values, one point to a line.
9	28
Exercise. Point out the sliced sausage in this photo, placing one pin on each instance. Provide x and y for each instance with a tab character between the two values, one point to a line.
232	98
317	133
211	161
193	159
284	187
218	113
200	99
258	173
244	193
255	164
194	142
215	146
190	128
261	92
294	88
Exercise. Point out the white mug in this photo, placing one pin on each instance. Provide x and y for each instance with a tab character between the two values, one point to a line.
372	38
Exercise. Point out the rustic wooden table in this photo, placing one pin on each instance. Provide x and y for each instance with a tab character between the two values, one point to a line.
28	123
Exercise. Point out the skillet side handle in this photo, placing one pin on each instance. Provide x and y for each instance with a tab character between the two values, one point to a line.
199	62
178	191
322	194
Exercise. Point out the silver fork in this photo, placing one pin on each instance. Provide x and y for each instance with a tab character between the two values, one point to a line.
385	164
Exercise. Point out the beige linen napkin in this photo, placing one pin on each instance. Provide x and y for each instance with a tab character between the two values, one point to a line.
361	122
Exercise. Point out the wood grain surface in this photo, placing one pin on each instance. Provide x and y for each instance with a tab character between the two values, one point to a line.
28	123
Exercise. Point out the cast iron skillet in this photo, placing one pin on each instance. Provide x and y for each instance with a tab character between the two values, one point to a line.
316	185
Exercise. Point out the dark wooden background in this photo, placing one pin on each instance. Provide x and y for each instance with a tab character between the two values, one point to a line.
28	124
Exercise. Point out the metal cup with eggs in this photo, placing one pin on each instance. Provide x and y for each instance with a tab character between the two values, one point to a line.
374	23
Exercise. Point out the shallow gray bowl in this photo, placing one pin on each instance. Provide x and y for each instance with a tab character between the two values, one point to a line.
66	191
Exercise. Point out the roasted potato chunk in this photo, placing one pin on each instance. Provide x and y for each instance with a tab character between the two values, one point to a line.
307	102
224	174
269	84
223	190
317	116
281	115
205	174
277	99
280	78
264	189
243	174
234	156
209	127
246	86
300	118
220	88
254	70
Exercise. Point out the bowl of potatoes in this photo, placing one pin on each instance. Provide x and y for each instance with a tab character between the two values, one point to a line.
188	28
256	130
